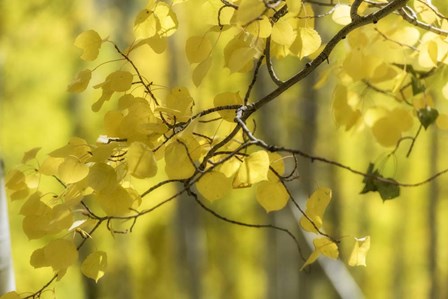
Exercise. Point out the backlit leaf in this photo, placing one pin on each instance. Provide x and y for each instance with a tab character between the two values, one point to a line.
201	70
116	201
214	185
322	246
102	177
141	161
260	28
177	161
306	43
30	155
249	10
81	81
10	295
359	252
90	42
225	99
95	264
341	14
272	196
72	170
254	169
315	209
283	32
58	254
197	48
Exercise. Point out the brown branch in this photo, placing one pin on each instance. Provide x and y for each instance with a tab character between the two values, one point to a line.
410	16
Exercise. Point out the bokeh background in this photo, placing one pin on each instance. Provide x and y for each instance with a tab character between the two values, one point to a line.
180	251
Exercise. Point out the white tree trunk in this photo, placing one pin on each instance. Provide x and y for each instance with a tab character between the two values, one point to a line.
7	282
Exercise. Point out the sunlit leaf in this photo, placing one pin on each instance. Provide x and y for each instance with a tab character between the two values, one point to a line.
359	252
95	264
102	177
249	10
214	185
341	14
30	155
10	295
322	246
261	28
315	209
283	32
116	201
81	82
90	42
141	161
178	164
272	196
198	49
72	170
201	70
58	254
254	169
226	99
306	43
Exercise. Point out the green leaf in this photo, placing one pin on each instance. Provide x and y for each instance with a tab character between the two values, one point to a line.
387	189
427	116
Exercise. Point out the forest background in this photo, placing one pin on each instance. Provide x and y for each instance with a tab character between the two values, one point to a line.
182	252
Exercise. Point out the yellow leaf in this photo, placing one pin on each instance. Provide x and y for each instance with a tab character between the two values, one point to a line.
388	129
254	169
201	71
272	196
197	48
230	167
249	10
50	166
214	185
177	161
294	6
322	246
116	201
241	58
166	18
76	147
118	81
58	254
445	91
180	102
15	180
10	295
359	252
276	163
90	42
101	177
341	14
227	98
30	155
95	264
261	28
344	103
306	43
141	161
146	24
283	32
81	82
72	170
315	209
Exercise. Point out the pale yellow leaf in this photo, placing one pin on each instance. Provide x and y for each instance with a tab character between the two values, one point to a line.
72	170
10	295
178	164
141	161
283	32
306	43
115	202
249	10
240	58
359	252
90	42
315	209
214	185
95	264
341	14
254	169
101	177
201	70
30	155
60	254
197	48
226	99
81	81
260	28
272	196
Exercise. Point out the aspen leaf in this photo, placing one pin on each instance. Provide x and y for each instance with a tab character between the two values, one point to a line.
260	28
359	252
230	167
214	185
30	155
177	161
276	163
198	49
254	169
101	177
315	209
272	196
95	264
10	295
166	18
306	43
225	99
294	6
249	10
343	107
146	25
58	254
341	14
283	32
240	58
50	166
115	202
322	246
90	42
388	129
72	170
427	116
141	161
118	81
180	103
201	70
81	81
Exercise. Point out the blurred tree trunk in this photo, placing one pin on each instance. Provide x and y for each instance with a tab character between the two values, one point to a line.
7	282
